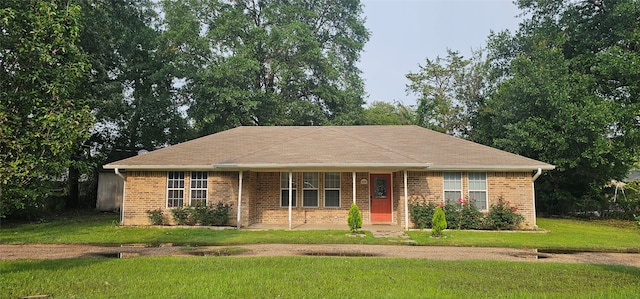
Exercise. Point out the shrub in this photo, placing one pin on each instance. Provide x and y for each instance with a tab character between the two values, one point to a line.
156	216
181	215
213	215
453	215
355	218
439	222
638	221
470	216
422	213
503	216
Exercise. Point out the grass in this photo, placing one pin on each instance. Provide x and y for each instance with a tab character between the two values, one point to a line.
593	235
617	236
217	275
103	229
312	277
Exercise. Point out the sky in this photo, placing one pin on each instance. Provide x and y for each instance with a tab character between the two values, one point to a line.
405	33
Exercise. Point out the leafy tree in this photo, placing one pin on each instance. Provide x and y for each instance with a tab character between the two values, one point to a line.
268	62
41	116
383	113
132	86
450	90
568	95
130	89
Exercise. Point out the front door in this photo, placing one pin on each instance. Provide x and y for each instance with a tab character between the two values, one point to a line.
380	185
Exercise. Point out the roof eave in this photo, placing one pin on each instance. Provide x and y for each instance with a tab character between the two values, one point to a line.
158	167
264	167
491	167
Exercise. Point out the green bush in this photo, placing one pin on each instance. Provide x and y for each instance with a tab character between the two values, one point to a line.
422	213
439	222
453	215
503	216
156	216
355	218
214	215
638	221
181	215
470	216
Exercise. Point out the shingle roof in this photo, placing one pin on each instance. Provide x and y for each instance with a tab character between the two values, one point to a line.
350	148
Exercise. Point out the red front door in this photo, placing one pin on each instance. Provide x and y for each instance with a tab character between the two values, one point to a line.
380	188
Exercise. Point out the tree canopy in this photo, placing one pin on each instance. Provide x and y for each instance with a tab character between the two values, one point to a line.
268	62
568	94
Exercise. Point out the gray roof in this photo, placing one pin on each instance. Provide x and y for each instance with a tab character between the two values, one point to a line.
347	148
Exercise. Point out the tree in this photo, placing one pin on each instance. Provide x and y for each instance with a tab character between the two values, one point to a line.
354	219
383	113
130	89
450	90
132	86
41	116
268	62
438	222
569	96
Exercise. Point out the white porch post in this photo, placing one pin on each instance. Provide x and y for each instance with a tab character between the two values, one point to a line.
239	200
406	203
290	195
353	175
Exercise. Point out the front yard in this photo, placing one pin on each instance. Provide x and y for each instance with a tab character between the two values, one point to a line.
316	277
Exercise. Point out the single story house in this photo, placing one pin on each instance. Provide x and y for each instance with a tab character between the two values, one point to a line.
295	175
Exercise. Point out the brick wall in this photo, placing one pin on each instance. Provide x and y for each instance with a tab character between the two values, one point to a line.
146	190
516	188
266	206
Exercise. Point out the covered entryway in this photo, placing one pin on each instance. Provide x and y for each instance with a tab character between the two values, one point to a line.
380	193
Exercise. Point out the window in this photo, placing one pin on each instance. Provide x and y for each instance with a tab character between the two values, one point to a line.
198	188
478	189
175	189
310	189
332	189
284	189
452	187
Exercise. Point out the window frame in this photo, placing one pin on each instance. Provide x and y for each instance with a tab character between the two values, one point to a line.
459	179
193	181
325	189
316	188
284	186
172	182
485	190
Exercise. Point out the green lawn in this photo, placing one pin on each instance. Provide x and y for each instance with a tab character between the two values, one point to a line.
312	277
316	277
622	236
594	235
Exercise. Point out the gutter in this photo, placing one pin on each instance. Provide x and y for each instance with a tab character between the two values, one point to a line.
117	171
538	173
124	190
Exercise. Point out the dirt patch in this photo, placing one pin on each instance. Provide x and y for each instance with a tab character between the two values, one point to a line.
44	251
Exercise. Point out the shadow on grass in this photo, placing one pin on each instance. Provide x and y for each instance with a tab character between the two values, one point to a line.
11	267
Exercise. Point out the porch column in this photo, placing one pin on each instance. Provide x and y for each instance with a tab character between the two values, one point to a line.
239	200
290	195
353	176
406	203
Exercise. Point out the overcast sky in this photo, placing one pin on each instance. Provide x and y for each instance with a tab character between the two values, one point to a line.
404	33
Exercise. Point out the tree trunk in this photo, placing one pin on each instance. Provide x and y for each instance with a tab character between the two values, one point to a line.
73	196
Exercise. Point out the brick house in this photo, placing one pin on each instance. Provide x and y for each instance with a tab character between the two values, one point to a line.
323	170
